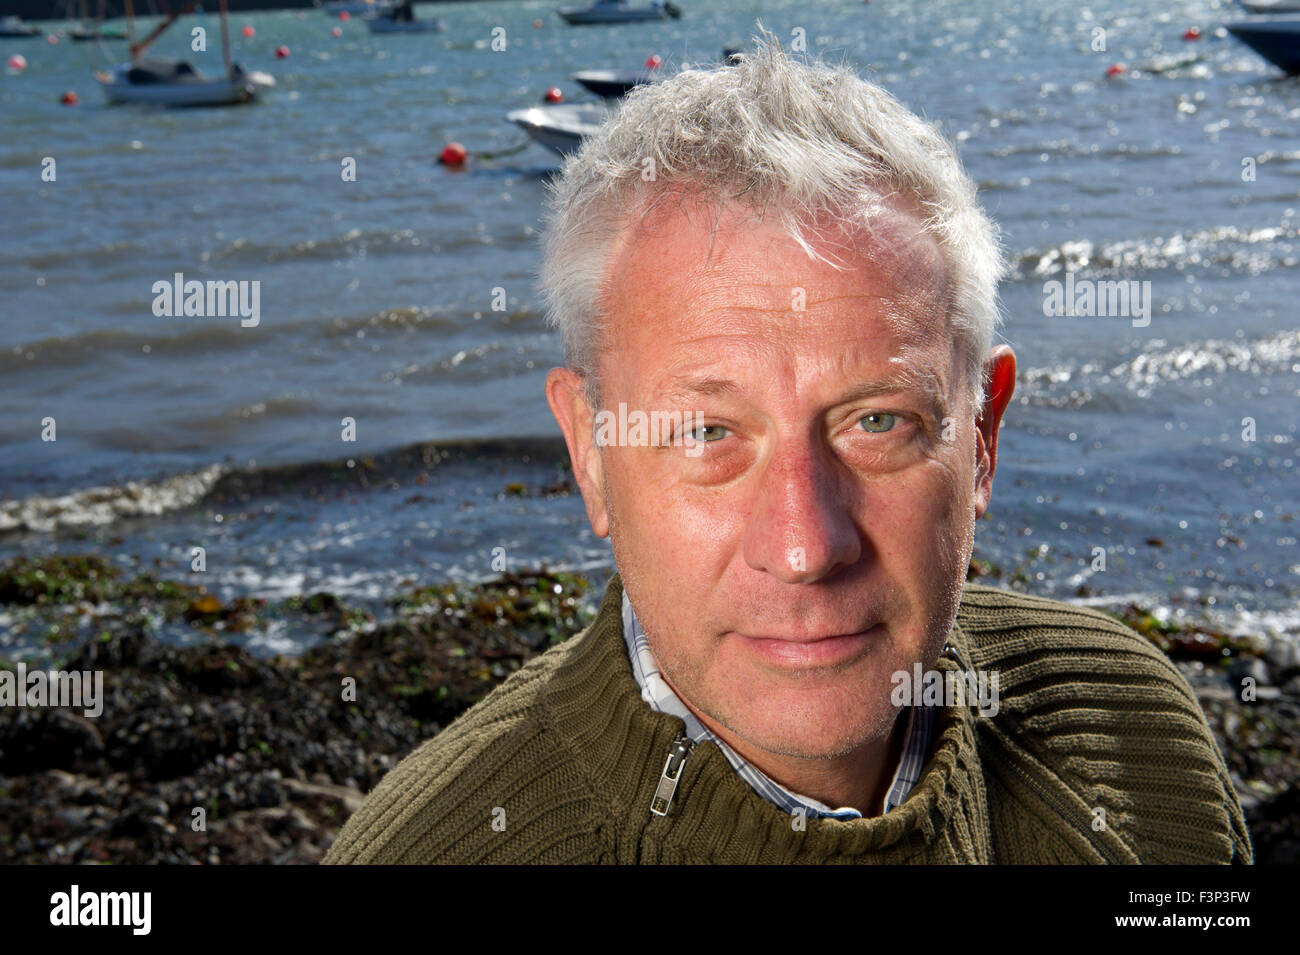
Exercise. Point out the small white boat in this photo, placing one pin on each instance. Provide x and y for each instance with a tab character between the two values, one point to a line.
561	127
176	83
353	7
13	27
165	82
619	11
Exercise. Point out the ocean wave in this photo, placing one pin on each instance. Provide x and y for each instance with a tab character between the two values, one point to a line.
1277	355
103	505
1251	251
179	337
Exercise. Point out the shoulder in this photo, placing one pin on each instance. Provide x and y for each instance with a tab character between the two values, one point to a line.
469	794
1097	711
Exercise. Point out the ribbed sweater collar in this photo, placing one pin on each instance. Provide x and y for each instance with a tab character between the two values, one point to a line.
594	709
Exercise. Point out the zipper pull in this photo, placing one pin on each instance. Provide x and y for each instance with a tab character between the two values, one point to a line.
672	773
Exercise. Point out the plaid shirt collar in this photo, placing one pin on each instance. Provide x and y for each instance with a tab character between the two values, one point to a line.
660	697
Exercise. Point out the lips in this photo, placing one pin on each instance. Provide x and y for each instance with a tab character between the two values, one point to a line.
814	651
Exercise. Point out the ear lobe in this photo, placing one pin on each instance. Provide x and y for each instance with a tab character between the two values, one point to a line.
1001	367
566	396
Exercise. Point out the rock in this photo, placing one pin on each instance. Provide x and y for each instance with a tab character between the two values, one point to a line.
1283	657
1249	668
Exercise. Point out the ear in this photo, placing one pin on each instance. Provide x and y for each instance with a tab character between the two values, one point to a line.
564	393
1001	373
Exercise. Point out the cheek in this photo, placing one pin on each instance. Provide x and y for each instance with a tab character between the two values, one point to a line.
655	505
920	523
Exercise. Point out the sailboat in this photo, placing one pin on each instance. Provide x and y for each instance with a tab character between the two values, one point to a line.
165	82
93	29
401	19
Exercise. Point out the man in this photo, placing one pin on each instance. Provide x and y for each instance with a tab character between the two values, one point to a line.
788	276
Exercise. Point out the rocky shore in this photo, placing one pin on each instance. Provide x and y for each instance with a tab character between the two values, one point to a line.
205	753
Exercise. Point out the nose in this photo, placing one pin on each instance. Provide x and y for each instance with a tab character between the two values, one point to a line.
800	527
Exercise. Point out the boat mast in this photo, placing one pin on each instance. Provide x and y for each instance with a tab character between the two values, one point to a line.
130	29
139	48
225	39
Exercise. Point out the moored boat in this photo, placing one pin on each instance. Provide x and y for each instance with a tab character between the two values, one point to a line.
177	83
401	19
168	82
354	7
14	28
1275	38
561	127
619	11
613	84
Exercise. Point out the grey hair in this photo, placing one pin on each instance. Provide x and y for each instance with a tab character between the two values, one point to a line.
768	132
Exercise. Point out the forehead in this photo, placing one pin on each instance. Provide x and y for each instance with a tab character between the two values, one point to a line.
688	279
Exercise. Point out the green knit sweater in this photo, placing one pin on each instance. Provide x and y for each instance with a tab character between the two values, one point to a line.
1099	752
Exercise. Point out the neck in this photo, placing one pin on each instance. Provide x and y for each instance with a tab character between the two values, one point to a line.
859	779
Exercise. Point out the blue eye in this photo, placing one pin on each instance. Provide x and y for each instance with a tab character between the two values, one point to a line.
877	422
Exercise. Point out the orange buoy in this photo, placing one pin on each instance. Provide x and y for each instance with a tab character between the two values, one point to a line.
248	31
281	52
453	154
17	62
1192	33
344	16
336	32
1116	69
69	98
553	95
653	61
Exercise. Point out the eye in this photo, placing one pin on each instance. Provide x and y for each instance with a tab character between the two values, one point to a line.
877	422
718	432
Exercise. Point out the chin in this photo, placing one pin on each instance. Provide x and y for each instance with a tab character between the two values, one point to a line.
820	721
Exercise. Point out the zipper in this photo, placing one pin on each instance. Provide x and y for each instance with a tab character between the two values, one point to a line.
1051	799
672	774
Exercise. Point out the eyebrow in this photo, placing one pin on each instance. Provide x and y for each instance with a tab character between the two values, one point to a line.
912	379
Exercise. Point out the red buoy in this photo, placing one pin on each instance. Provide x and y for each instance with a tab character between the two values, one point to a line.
1193	33
538	24
69	98
336	32
17	62
248	31
281	52
344	16
1116	69
51	39
453	154
653	61
553	95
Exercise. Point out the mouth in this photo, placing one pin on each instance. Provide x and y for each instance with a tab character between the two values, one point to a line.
825	651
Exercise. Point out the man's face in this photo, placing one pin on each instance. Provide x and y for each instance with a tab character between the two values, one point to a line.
817	542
